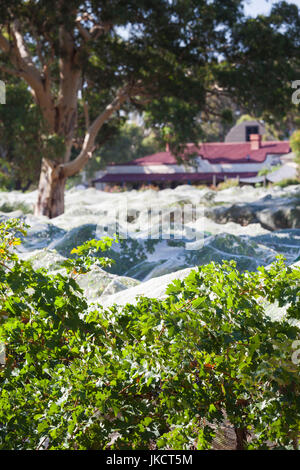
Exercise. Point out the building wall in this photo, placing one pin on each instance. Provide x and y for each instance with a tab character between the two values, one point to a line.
97	175
136	169
203	166
238	133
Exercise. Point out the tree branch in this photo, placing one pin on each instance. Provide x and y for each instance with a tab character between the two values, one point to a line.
23	54
39	49
70	81
73	167
21	59
95	31
83	31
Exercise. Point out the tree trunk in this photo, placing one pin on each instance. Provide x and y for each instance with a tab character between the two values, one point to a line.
51	190
53	174
241	438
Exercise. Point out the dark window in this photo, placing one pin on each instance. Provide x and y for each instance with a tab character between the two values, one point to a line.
251	130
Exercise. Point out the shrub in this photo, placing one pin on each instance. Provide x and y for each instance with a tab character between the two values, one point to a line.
10	207
162	373
295	142
287	182
230	183
266	171
295	146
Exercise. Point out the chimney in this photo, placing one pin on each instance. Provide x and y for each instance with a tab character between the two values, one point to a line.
255	140
167	147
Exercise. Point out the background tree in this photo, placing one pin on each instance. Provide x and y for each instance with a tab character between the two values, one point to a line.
263	55
86	60
24	139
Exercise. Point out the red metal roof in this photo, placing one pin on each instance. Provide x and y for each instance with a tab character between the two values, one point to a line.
237	152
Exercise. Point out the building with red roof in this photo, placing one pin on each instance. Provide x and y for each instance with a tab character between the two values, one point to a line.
204	163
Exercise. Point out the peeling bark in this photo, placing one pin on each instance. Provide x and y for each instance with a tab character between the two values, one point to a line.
241	438
51	190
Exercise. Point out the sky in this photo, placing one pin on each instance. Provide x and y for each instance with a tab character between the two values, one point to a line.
251	8
256	7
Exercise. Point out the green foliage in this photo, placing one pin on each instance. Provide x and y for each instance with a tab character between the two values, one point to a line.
9	207
245	118
295	143
266	171
287	182
162	372
261	47
230	183
74	181
20	126
85	256
295	146
24	139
